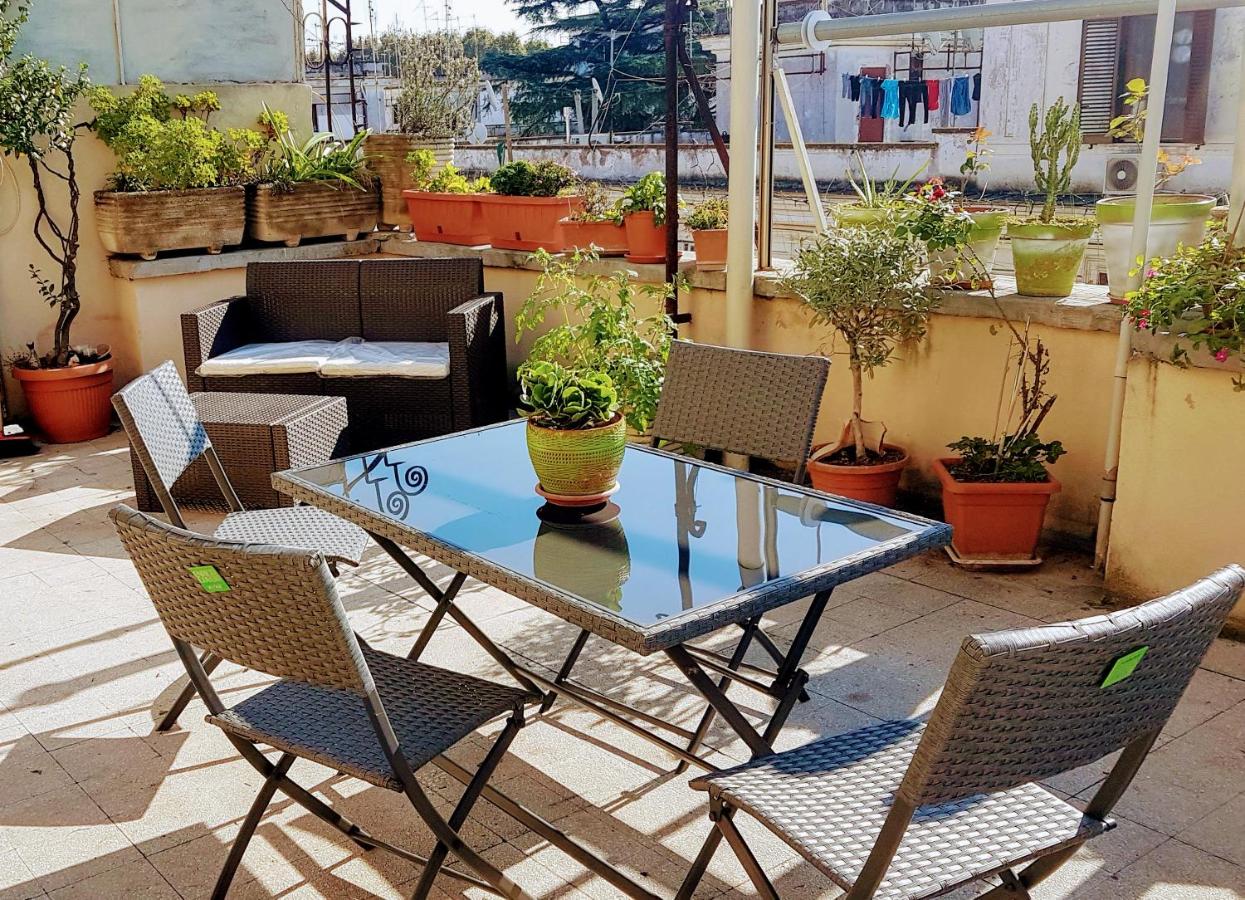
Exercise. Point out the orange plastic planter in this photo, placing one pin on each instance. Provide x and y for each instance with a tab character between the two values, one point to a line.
446	218
993	522
710	249
69	405
608	239
527	223
872	484
646	242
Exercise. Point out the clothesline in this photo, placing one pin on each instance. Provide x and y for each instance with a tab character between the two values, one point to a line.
896	98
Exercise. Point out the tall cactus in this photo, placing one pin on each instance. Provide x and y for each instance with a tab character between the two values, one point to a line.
1060	136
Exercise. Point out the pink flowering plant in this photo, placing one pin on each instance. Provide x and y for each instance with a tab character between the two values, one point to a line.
1198	296
931	214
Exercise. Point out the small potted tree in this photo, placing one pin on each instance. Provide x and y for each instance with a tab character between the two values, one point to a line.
1175	219
317	188
995	493
575	434
179	182
707	221
68	388
439	86
1047	249
528	203
443	205
644	214
865	284
598	226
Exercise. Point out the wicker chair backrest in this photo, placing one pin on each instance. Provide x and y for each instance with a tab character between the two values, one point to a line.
741	401
271	609
1027	704
309	300
161	422
407	299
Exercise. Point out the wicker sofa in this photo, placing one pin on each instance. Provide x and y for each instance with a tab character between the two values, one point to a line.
438	301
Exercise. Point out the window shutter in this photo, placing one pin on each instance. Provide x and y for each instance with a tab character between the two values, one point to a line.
1099	86
1199	76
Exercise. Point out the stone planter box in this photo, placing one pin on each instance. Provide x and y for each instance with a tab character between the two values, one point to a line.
143	223
310	210
386	155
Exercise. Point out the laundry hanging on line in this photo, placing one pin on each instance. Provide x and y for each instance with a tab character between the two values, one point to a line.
899	99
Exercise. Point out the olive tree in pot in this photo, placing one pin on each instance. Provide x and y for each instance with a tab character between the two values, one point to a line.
865	284
995	493
179	182
443	205
598	226
1048	249
644	214
528	203
1175	219
67	388
439	84
707	221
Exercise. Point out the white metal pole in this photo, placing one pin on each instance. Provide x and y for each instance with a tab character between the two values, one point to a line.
1164	28
1236	204
742	182
783	90
765	207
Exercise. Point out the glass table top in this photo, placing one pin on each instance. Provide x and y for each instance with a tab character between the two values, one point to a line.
678	534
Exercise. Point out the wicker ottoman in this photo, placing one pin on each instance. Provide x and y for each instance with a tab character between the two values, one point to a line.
254	435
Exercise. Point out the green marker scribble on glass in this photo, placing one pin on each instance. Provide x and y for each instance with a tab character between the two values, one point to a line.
209	579
1124	667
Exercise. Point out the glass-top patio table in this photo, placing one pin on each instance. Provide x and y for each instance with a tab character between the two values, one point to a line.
682	550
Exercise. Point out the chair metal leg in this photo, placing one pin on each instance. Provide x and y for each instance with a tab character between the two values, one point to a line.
751	628
565	672
752	866
438	613
209	663
262	799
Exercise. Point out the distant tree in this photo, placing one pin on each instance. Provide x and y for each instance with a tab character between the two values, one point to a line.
546	78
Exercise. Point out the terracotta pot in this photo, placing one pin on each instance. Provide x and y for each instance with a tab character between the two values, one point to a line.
577	461
646	242
1175	219
608	239
527	223
387	159
143	223
993	522
1047	256
873	484
447	218
710	249
72	404
311	209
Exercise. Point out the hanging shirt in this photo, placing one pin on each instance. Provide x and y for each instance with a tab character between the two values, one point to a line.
977	87
961	105
931	93
890	102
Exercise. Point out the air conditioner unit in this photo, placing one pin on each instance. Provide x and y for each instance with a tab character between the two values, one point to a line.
1121	175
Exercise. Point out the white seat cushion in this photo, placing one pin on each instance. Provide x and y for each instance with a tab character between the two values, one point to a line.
402	359
289	358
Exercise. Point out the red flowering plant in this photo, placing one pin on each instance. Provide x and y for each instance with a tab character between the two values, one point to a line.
931	215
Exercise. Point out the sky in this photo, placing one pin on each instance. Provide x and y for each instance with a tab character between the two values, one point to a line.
496	15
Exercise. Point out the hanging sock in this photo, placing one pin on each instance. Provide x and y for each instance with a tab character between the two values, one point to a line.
931	94
961	105
890	103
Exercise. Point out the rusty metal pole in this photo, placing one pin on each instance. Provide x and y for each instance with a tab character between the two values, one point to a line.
328	67
672	28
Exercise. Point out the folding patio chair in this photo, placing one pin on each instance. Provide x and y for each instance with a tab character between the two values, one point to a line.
761	405
168	437
339	702
907	809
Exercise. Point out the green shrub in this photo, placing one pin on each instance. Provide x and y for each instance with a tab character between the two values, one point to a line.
559	397
322	157
708	215
647	195
447	180
526	179
598	207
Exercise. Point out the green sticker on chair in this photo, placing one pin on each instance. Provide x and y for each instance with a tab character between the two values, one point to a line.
209	579
1124	666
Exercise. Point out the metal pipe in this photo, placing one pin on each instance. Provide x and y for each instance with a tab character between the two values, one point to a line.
120	44
765	212
741	185
671	31
1164	29
1236	204
801	151
990	15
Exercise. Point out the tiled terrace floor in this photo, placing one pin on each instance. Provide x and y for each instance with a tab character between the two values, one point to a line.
93	804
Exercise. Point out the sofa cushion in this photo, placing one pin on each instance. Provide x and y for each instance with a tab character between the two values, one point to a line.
286	358
401	359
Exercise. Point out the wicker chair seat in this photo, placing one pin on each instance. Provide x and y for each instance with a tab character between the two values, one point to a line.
300	527
829	798
430	709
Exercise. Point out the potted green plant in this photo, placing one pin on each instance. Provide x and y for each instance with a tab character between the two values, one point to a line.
442	204
599	327
876	205
643	207
930	216
528	203
179	182
439	82
995	492
1047	249
598	226
865	285
316	188
68	388
575	434
1175	219
971	265
707	221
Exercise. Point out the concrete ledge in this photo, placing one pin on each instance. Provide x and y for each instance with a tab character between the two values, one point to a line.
1161	346
191	263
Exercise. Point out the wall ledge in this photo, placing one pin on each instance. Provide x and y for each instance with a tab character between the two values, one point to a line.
1160	346
194	263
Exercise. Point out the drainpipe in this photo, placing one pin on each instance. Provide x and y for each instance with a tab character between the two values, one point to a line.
742	181
1163	31
1237	197
765	211
116	34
